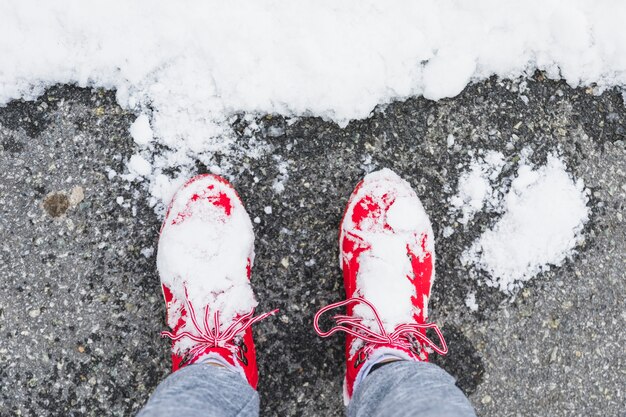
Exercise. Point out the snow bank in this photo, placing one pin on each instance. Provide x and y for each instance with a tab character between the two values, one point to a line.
544	214
188	66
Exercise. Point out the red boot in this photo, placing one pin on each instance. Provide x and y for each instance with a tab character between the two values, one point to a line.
205	256
387	257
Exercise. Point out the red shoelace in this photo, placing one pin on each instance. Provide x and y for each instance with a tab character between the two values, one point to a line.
404	336
209	338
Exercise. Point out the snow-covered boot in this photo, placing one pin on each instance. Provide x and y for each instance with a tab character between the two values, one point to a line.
387	256
205	255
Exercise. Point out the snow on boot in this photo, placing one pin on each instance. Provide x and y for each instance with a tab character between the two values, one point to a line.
205	256
387	256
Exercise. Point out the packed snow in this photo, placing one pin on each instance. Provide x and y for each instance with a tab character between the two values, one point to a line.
186	69
544	214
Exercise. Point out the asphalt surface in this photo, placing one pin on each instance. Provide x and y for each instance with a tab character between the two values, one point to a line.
81	308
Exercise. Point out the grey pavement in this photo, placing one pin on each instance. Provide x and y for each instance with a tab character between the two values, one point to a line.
80	303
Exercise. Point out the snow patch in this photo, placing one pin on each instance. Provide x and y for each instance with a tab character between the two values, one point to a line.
544	214
475	186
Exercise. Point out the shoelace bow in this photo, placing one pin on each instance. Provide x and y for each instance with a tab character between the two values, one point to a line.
209	338
404	336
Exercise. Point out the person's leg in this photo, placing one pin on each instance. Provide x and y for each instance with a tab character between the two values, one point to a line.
407	388
203	390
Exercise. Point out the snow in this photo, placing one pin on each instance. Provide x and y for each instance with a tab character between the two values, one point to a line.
279	183
110	173
474	188
541	215
544	214
470	302
139	165
141	131
186	70
383	269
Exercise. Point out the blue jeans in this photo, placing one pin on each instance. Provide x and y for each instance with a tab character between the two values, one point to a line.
395	389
